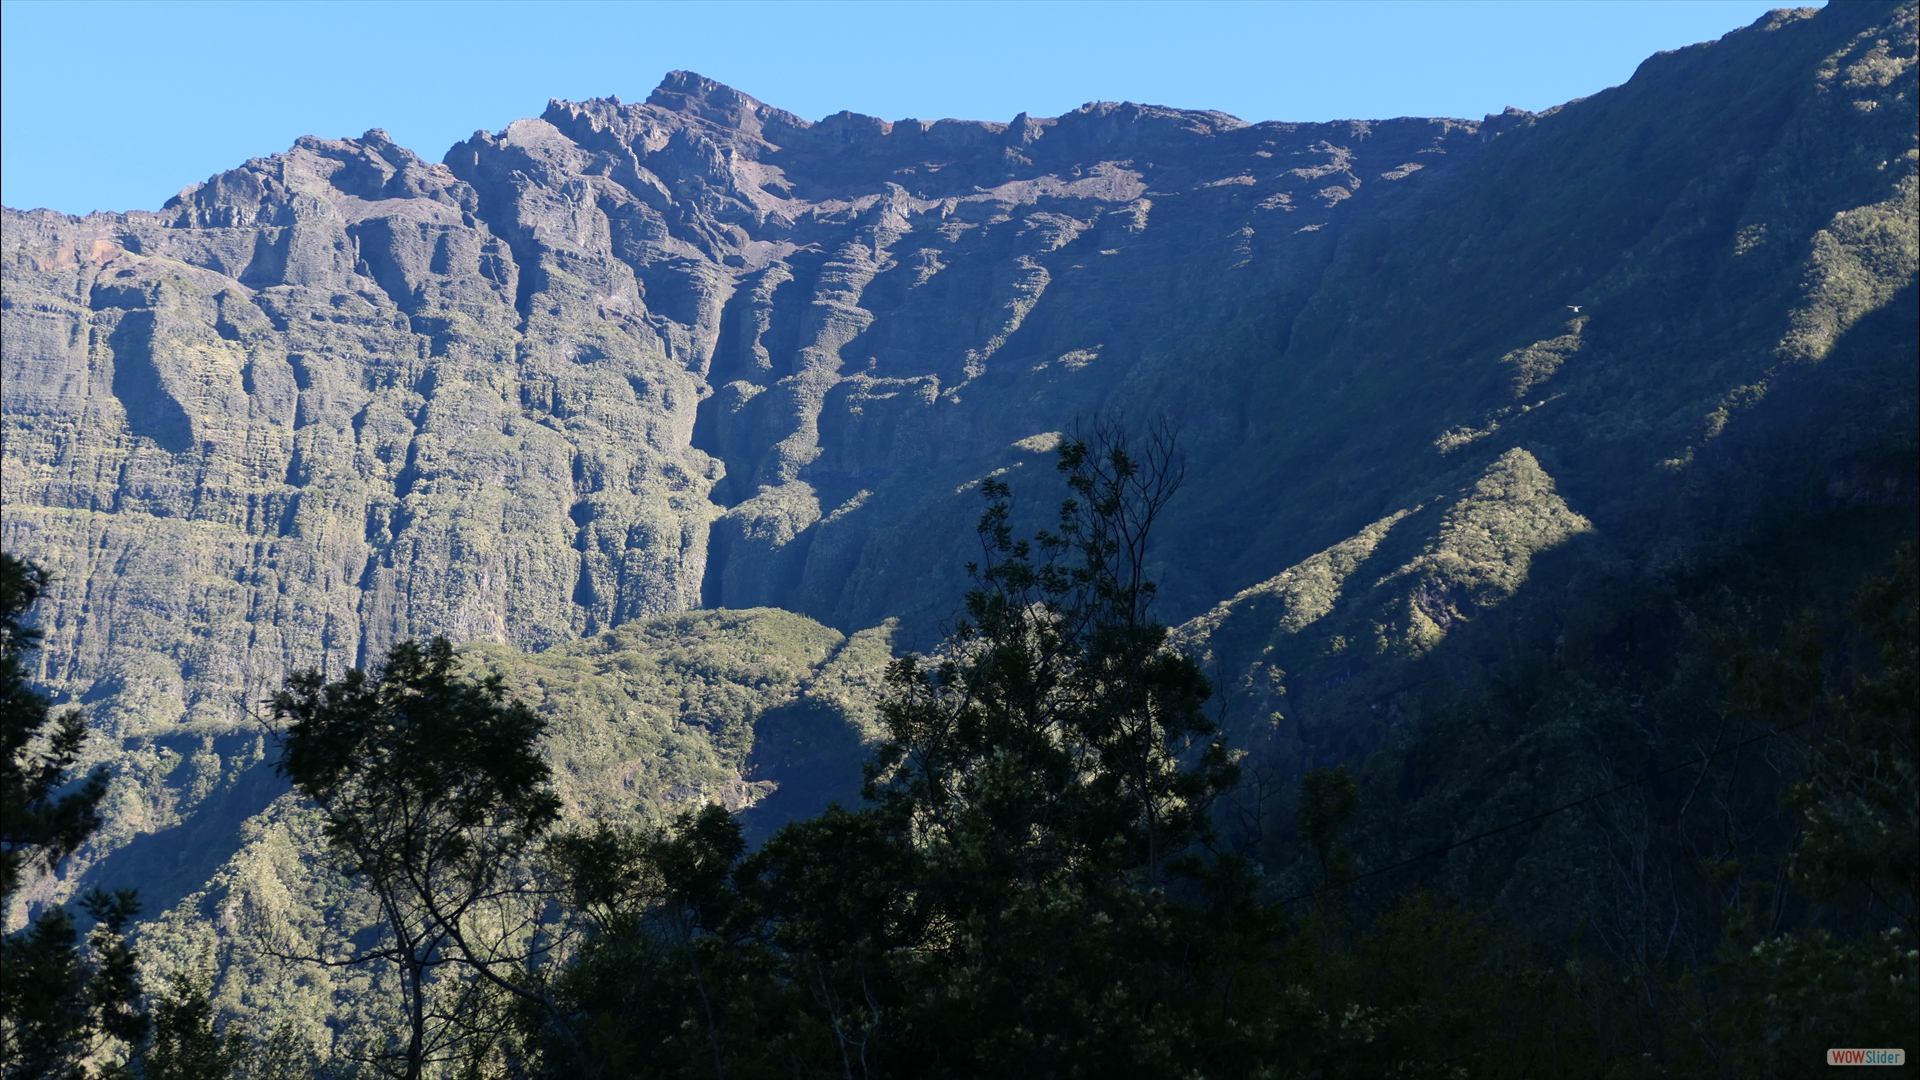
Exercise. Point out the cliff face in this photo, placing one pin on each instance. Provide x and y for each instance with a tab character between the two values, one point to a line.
627	360
355	397
341	396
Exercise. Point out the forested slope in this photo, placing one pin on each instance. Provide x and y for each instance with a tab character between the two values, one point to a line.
656	717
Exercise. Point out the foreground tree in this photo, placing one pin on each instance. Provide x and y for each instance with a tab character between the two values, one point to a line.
1027	887
1860	800
1052	775
431	788
186	1045
1058	701
37	828
65	1009
1851	975
1033	886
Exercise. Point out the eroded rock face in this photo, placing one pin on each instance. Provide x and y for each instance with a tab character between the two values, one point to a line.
879	308
342	396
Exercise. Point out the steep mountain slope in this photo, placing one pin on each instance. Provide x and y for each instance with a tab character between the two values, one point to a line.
624	361
1741	250
654	717
494	399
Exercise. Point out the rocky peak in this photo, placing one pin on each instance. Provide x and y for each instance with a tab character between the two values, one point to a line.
688	94
336	174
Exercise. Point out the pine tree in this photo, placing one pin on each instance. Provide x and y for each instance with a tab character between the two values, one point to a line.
65	1009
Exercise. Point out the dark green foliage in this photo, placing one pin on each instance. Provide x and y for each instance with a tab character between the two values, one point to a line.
64	1010
1710	916
1034	888
417	765
189	1042
1859	805
1059	704
185	1044
1328	800
646	987
1848	975
71	1011
1002	905
1007	900
1525	591
430	785
37	828
643	720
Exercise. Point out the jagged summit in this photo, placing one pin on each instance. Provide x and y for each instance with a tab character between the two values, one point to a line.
693	94
756	143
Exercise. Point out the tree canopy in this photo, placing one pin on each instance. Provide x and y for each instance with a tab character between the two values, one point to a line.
431	786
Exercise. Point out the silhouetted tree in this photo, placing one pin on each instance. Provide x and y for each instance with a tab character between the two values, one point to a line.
185	1044
1328	800
1850	976
431	787
1026	888
37	828
63	1007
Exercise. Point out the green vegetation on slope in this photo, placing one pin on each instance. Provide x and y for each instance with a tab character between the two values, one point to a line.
1063	870
760	711
1002	905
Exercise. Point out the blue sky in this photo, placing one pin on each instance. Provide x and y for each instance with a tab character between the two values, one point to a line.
116	106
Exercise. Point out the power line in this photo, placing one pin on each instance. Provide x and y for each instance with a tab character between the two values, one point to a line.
1544	813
